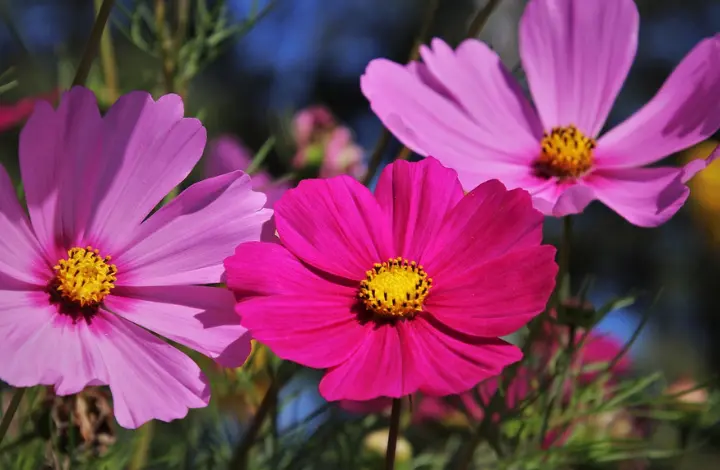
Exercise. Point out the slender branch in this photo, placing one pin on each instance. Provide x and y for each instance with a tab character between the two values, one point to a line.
384	139
91	48
393	433
10	412
239	458
480	20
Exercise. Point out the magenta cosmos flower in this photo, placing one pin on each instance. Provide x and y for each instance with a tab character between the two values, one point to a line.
83	280
464	108
404	290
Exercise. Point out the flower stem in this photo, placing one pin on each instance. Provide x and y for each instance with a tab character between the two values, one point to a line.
10	412
107	59
563	285
393	434
239	458
91	48
482	17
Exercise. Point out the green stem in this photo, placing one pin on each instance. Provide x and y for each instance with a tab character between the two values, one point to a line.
107	59
239	458
481	19
563	285
91	48
393	433
10	412
142	448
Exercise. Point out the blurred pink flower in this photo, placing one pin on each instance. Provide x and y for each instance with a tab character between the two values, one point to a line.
228	154
403	290
321	141
464	108
12	115
72	316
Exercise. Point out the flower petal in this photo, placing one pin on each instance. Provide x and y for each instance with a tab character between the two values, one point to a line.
315	331
684	112
335	225
416	197
201	318
261	268
488	222
455	363
422	115
147	149
495	298
561	199
186	241
576	54
21	256
226	154
385	350
59	163
646	197
148	378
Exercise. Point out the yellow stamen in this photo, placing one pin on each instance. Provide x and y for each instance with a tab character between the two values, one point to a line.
84	277
395	288
565	153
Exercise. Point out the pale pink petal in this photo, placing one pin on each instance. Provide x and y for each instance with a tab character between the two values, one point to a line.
496	297
576	55
697	165
416	197
260	268
148	378
201	318
226	154
454	363
147	148
477	80
317	331
21	256
382	366
684	112
186	241
335	225
429	122
646	197
60	161
41	347
561	199
488	222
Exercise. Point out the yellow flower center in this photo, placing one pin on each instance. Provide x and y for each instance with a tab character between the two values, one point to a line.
395	288
566	153
84	278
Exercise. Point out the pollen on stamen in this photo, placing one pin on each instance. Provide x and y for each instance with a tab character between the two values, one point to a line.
565	153
84	278
396	288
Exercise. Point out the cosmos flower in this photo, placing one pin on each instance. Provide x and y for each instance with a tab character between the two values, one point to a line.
89	273
228	154
464	108
12	115
404	290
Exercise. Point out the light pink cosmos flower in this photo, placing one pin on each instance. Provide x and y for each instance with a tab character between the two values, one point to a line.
464	108
404	290
228	154
89	273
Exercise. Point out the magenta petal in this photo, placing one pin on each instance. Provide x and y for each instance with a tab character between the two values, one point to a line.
148	378
21	256
416	197
427	120
261	268
646	197
488	222
454	363
59	163
684	112
226	154
186	241
495	298
576	54
201	318
382	366
335	225
147	149
315	331
39	347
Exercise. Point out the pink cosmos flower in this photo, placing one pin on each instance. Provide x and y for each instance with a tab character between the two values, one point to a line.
405	290
464	108
228	154
89	273
12	115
